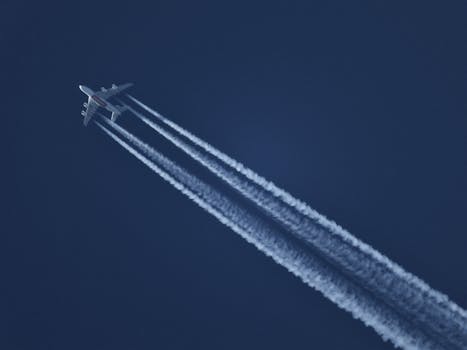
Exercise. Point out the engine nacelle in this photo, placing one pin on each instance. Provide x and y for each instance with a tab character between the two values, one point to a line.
114	86
103	89
85	105
83	113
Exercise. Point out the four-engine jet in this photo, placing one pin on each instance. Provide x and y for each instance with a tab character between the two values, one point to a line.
100	99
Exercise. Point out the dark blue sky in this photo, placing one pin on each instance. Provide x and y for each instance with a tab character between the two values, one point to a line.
358	108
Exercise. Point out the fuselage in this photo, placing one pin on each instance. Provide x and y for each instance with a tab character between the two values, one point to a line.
99	101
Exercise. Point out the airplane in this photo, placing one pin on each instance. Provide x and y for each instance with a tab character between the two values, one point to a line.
100	99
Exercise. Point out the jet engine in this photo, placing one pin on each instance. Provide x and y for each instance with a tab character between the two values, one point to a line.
85	105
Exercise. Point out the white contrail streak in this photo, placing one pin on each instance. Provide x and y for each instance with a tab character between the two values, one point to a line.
396	288
284	249
415	299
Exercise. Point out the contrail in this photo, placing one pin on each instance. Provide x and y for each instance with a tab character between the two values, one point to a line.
414	299
284	249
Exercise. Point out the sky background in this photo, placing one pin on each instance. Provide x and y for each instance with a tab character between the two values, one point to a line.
359	108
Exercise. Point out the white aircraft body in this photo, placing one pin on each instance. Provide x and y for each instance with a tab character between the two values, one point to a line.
100	99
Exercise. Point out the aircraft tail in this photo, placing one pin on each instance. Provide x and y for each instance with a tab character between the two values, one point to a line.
115	115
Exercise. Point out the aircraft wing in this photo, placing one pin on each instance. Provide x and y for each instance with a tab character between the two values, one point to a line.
114	90
90	110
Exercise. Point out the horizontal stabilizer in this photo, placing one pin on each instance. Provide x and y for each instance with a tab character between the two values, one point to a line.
114	116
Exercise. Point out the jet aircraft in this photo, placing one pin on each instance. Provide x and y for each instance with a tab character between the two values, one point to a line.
101	99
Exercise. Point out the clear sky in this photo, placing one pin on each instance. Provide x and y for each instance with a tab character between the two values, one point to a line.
357	107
